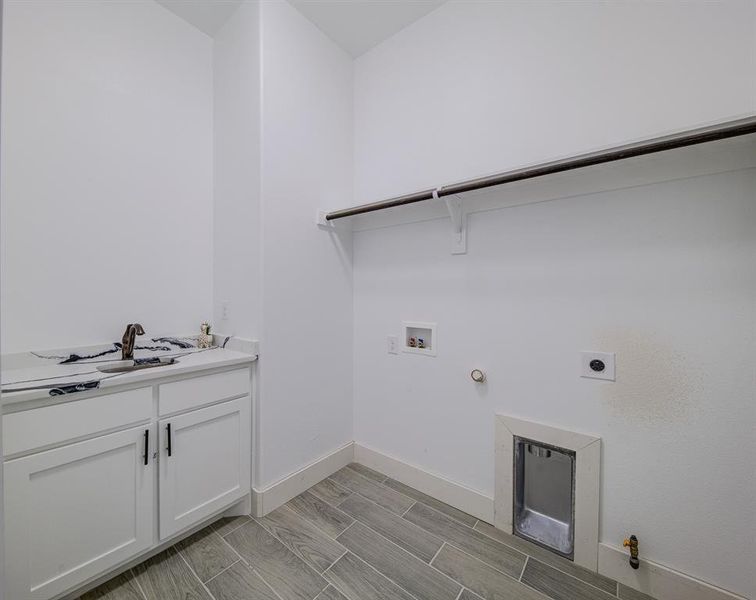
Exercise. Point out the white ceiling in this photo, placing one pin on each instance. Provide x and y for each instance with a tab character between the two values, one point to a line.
355	25
206	15
358	25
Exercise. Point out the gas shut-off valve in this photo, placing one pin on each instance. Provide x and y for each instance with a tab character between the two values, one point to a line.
632	543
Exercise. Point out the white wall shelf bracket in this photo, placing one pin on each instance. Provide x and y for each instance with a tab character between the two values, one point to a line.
459	223
321	221
326	225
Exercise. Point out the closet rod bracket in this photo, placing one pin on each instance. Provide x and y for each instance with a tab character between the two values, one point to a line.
326	225
458	218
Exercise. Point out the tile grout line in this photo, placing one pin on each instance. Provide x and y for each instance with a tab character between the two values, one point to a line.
378	484
577	578
141	591
325	588
382	574
556	567
241	558
333	563
443	542
385	477
525	564
406	521
388	487
186	562
338	506
454	581
255	571
319	499
222	571
441	547
304	562
343	532
373	502
344	487
410	508
315	525
547	596
527	556
526	584
335	507
270	587
489	565
331	503
230	530
330	479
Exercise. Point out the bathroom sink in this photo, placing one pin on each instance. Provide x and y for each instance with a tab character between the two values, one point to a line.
126	366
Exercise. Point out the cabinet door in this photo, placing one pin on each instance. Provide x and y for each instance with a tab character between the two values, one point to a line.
204	464
76	511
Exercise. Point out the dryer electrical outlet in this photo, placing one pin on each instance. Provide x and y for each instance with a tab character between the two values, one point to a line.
597	365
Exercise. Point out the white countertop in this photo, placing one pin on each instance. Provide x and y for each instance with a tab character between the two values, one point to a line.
42	372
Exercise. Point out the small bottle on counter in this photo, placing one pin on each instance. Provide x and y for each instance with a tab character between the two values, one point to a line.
205	340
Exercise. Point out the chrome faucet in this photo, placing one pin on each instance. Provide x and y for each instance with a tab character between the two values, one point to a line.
127	349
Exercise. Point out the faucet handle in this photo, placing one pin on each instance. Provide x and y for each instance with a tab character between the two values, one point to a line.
139	329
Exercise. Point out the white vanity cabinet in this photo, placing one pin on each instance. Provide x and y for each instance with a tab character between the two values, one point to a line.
91	484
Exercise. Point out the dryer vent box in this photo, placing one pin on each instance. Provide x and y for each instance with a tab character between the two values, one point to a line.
544	495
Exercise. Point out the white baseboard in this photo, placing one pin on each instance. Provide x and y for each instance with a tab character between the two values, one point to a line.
657	580
465	499
270	498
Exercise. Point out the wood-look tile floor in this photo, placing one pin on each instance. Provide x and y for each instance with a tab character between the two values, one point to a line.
359	535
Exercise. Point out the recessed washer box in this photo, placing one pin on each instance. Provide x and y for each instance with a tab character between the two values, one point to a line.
417	331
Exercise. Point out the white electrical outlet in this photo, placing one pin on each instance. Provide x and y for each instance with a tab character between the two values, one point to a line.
597	365
393	344
224	310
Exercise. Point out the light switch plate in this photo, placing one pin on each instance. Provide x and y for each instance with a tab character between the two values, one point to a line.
393	344
591	365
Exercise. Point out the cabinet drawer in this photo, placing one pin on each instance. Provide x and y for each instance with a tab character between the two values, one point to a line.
198	391
50	425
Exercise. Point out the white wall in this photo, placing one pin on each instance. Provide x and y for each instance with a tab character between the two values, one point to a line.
479	87
2	477
237	228
662	274
306	344
107	172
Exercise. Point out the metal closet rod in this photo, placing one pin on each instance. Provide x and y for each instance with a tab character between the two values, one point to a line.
691	137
